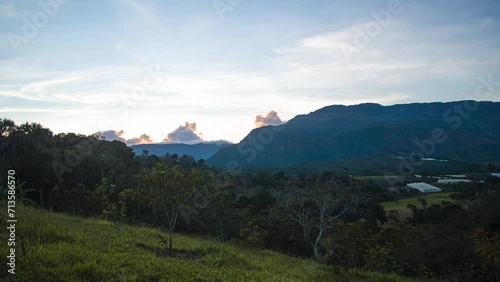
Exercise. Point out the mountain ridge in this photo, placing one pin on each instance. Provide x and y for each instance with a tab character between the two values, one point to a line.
339	132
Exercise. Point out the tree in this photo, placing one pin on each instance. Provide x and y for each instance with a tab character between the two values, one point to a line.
7	126
350	242
28	148
114	208
218	205
167	192
318	204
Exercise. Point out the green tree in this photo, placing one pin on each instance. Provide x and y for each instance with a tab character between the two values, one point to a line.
168	192
114	207
348	243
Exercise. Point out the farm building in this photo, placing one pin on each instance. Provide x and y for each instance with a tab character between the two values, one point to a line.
423	187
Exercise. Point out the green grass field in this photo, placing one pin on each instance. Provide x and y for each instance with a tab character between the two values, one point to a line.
431	198
59	247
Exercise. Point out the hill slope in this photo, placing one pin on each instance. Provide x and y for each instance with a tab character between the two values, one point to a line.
198	151
367	130
64	248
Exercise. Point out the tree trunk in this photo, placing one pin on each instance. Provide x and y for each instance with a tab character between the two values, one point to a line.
172	222
139	211
221	231
317	255
42	203
316	252
171	231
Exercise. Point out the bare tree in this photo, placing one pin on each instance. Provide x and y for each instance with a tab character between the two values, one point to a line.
318	204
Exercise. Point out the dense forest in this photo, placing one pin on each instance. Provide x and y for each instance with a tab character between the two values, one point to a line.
332	218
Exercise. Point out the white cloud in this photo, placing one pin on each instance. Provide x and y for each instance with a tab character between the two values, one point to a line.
400	57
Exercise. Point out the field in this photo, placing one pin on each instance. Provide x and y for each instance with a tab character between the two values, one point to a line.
57	247
431	198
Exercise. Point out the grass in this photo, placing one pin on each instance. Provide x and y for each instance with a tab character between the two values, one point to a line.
431	198
59	247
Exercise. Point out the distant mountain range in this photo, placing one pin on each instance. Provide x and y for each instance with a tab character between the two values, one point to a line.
198	151
471	130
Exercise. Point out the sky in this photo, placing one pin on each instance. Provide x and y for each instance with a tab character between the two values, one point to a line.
193	70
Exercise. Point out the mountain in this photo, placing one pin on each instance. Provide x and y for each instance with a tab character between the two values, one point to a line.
198	151
458	131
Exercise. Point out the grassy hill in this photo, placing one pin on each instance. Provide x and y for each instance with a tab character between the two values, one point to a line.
59	247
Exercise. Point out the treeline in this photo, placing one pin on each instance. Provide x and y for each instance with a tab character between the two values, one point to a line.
335	219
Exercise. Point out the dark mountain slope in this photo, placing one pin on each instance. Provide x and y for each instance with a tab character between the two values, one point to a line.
198	151
365	130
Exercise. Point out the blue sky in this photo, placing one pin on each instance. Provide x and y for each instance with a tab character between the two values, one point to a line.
148	67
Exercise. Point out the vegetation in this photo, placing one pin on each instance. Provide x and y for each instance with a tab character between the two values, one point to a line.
58	247
430	199
331	218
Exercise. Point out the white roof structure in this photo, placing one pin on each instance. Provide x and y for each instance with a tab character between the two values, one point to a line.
423	187
457	175
495	174
453	181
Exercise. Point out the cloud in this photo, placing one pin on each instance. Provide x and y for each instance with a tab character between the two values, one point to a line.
271	118
113	135
405	61
143	139
107	85
184	134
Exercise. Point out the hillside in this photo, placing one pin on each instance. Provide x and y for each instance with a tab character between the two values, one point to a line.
374	165
58	247
366	130
198	151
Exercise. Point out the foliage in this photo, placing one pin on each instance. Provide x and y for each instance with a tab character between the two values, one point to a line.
488	247
334	219
348	244
64	248
431	198
251	236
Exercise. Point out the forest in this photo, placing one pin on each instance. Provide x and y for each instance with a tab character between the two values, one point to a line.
332	218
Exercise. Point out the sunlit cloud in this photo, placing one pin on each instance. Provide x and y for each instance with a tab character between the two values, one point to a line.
271	118
184	134
143	139
113	135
